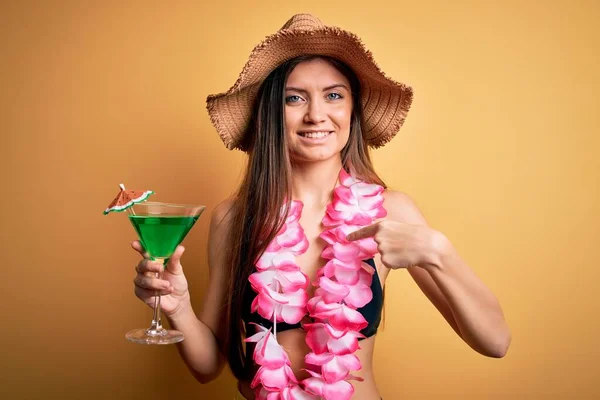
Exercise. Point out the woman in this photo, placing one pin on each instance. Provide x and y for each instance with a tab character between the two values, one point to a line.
298	258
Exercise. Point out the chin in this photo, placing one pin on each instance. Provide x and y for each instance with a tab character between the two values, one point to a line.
316	155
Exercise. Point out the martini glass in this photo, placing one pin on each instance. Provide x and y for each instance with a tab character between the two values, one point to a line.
161	227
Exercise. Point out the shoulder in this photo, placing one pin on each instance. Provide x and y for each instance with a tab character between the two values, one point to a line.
219	236
221	219
223	212
402	208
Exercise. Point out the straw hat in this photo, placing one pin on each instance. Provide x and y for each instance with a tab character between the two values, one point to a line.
385	102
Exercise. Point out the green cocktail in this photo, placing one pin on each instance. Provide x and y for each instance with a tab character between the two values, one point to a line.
161	235
161	227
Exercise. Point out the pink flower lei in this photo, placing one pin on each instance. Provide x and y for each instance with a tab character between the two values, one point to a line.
344	284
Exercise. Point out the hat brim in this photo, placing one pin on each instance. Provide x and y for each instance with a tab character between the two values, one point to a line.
385	102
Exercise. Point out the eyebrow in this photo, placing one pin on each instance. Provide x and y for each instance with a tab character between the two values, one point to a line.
337	85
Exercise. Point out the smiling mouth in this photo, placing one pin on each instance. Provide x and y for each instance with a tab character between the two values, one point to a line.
315	135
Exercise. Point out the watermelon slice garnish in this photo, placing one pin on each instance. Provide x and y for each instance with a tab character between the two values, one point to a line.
127	198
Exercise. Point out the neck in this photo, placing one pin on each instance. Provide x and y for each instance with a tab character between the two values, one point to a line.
313	183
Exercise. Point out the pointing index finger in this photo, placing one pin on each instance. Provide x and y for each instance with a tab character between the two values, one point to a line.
367	231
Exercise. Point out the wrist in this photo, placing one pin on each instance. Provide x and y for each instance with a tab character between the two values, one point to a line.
182	313
437	251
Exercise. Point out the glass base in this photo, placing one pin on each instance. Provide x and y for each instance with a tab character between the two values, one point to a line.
154	336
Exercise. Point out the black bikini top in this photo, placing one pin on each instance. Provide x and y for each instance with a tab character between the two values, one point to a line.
371	311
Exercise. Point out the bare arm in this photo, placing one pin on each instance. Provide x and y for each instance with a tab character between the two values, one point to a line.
201	348
468	306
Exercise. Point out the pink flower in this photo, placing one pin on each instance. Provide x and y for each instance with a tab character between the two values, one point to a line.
339	316
362	190
287	277
347	199
351	251
273	379
347	273
263	394
290	238
295	392
292	392
294	211
292	235
367	247
340	390
276	260
290	241
356	296
342	251
323	338
285	307
355	203
267	351
338	233
346	179
334	367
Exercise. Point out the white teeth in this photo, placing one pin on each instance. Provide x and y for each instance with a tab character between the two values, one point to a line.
314	135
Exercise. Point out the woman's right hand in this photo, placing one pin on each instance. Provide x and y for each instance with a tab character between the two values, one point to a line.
173	287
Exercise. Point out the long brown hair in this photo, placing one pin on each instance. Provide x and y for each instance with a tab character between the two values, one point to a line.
265	187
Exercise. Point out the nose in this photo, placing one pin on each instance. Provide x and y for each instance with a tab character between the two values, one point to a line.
314	113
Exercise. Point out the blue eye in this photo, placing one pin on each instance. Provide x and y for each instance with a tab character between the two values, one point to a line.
292	99
334	96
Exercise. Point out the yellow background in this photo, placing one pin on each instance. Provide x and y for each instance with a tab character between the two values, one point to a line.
500	151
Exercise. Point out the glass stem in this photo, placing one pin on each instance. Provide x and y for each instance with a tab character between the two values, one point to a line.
156	324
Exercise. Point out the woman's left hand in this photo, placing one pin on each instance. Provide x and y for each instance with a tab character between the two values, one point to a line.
403	245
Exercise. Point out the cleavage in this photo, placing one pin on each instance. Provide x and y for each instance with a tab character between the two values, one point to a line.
311	261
